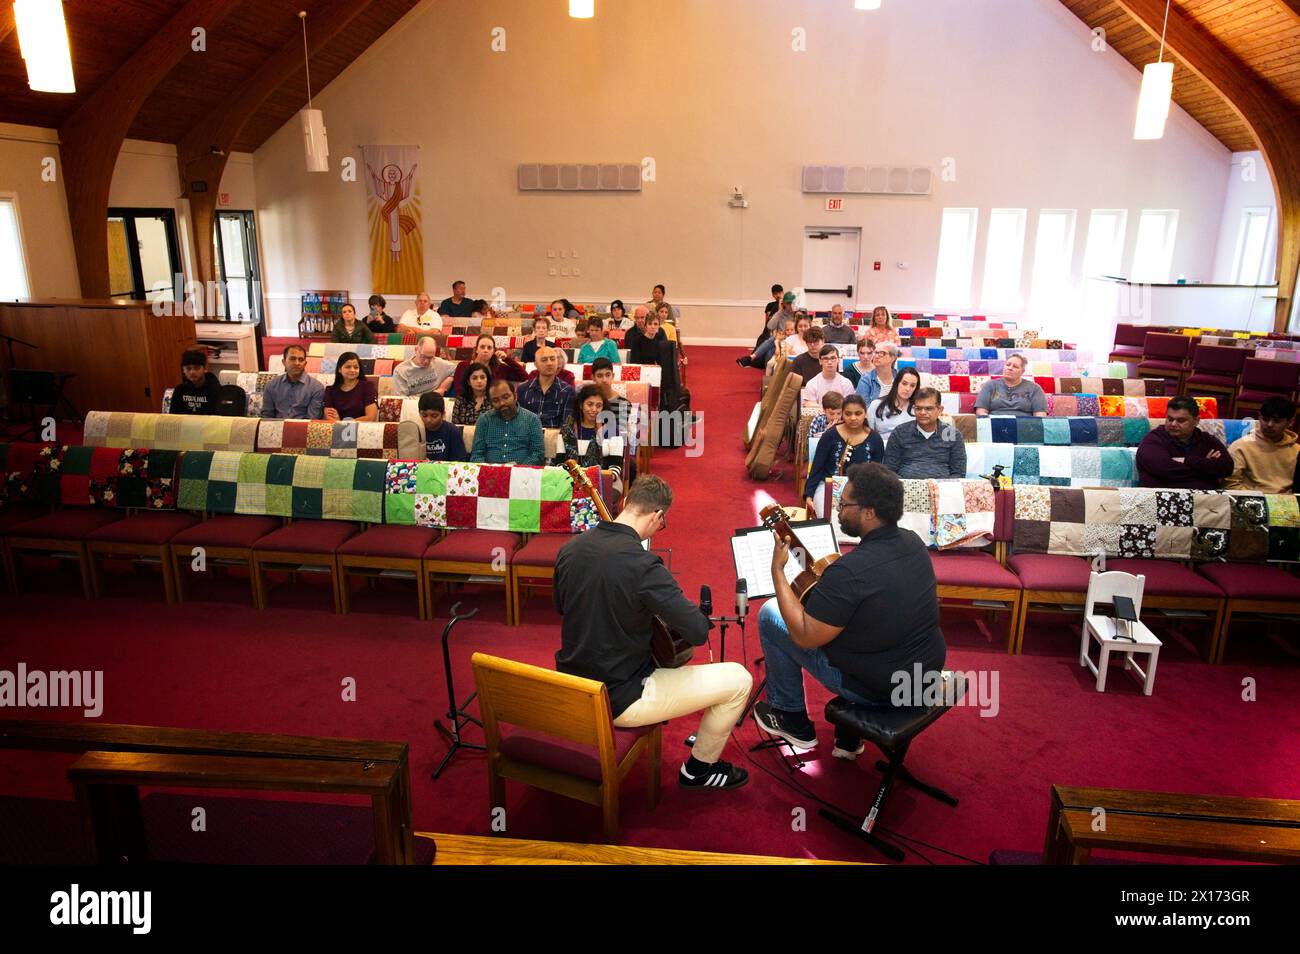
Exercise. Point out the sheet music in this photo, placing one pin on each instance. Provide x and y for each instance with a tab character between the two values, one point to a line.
752	552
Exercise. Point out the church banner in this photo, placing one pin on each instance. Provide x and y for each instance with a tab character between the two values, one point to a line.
393	210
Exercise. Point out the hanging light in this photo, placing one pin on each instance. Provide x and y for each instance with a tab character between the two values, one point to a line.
43	38
866	4
313	120
1156	93
582	9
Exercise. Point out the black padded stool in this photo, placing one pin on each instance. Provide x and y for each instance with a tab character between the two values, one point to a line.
892	731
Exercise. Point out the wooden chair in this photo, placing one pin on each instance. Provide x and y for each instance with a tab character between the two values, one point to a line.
564	739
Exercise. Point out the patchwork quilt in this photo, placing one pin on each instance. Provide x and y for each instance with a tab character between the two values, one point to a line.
992	354
486	497
1166	524
125	429
283	485
994	367
83	476
1102	431
1119	387
346	439
1106	405
1241	340
1061	466
24	470
1278	354
943	513
395	352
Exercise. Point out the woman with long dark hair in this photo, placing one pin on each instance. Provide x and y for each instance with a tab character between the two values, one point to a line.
847	443
895	406
474	401
586	439
352	396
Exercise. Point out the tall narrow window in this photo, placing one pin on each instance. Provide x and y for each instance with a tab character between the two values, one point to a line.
1154	255
1252	247
1104	252
952	275
13	265
1053	255
1003	260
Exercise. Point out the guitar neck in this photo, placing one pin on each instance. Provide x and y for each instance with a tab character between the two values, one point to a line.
583	483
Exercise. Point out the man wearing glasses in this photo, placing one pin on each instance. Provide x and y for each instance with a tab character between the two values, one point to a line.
507	434
924	448
874	614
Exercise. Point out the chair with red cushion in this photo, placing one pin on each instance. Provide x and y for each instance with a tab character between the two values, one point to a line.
1251	588
561	738
1262	379
221	540
964	575
1165	356
142	535
1216	372
1050	581
483	556
1129	340
301	543
62	534
1170	585
385	549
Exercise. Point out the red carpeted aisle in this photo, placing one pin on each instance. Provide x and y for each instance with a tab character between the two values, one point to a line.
216	663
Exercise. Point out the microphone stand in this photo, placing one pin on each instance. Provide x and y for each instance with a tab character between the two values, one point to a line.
722	633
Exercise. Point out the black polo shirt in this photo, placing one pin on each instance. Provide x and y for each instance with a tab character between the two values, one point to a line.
883	593
607	588
450	309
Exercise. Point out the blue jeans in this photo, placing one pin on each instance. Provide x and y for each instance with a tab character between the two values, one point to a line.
763	353
785	663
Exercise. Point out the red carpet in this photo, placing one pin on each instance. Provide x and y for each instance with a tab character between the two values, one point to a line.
216	663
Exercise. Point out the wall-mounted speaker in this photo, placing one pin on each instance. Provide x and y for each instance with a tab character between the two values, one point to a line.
868	180
579	177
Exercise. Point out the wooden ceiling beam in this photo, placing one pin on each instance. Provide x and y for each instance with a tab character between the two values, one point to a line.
1272	120
91	138
7	22
1293	6
203	151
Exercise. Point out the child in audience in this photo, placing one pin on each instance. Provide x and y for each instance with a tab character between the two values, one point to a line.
199	388
864	365
442	439
597	346
832	402
585	439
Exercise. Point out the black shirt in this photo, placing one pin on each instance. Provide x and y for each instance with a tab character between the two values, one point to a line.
607	587
807	366
635	339
382	325
883	593
530	349
188	399
450	309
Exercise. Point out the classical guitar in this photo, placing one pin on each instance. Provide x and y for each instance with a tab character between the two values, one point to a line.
669	649
774	519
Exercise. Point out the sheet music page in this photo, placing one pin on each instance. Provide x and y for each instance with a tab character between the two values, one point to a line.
752	552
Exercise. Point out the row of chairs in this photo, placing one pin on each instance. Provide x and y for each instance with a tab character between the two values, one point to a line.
1235	376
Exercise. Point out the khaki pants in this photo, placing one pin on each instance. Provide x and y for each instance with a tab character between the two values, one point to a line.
722	689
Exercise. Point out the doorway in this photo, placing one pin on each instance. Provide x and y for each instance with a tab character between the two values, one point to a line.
238	270
830	267
143	256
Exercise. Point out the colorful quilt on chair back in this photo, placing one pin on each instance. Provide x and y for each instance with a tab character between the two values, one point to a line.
344	439
81	476
1099	431
943	513
1054	465
283	485
177	432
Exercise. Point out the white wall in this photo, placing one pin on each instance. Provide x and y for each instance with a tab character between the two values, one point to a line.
1249	187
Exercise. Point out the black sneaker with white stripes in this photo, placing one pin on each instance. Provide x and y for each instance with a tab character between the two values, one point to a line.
719	775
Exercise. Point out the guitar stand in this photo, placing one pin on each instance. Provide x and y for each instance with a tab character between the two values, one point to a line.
456	714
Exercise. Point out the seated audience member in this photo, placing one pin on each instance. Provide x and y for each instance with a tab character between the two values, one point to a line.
422	317
828	380
481	311
895	406
294	394
561	324
618	316
847	443
669	324
380	322
457	306
881	376
874	614
832	414
637	332
1180	455
780	342
926	448
855	371
508	434
838	331
880	331
1265	459
347	330
808	363
586	438
423	371
352	396
619	408
501	363
579	334
1013	393
199	389
442	440
571	311
762	352
799	343
597	346
643	345
475	400
657	299
546	395
660	351
541	328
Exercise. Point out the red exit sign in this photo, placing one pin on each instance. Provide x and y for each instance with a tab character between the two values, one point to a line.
834	205
224	198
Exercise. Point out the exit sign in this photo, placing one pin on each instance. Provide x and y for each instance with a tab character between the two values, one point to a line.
224	198
834	205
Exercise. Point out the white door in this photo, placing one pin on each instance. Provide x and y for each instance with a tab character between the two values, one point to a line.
830	267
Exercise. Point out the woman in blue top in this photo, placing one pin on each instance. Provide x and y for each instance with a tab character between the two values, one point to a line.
849	442
881	376
597	346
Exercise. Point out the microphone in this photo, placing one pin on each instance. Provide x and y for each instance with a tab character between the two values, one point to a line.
742	598
706	600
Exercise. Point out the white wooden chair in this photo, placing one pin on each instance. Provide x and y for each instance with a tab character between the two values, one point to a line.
1114	635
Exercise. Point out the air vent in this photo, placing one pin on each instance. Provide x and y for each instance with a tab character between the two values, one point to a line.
579	177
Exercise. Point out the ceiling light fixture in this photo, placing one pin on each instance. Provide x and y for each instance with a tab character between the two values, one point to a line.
43	38
313	120
1156	93
582	9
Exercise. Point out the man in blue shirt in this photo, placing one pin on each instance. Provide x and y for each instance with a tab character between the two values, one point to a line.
507	434
294	394
546	395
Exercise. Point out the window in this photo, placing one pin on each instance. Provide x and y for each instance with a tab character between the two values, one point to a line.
13	266
1252	247
1004	259
1049	294
956	258
1104	252
1154	254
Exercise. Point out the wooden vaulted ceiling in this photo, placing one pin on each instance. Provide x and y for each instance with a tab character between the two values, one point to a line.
104	34
1263	36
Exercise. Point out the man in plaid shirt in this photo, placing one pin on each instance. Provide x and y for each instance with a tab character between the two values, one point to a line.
547	395
507	434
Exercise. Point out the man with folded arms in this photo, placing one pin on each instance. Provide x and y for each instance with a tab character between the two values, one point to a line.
924	448
1180	455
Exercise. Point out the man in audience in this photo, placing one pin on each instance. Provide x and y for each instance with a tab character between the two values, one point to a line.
423	371
759	357
442	439
838	331
1013	393
1180	455
829	381
379	322
501	363
507	434
807	363
657	299
422	317
294	394
457	306
772	307
620	409
1265	459
199	389
541	328
925	448
546	395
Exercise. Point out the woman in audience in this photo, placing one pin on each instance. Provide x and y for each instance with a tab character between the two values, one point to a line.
541	328
475	400
881	376
665	313
561	323
855	371
501	364
879	330
847	443
797	345
347	330
887	412
1013	393
482	312
352	396
655	350
380	322
585	440
597	346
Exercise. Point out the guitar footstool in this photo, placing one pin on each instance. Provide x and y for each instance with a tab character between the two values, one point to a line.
891	731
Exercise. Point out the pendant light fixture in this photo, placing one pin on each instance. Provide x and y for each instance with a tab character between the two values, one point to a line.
582	9
1157	91
313	120
866	4
43	38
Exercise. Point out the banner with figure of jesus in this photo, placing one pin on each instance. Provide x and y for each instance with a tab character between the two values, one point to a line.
393	209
